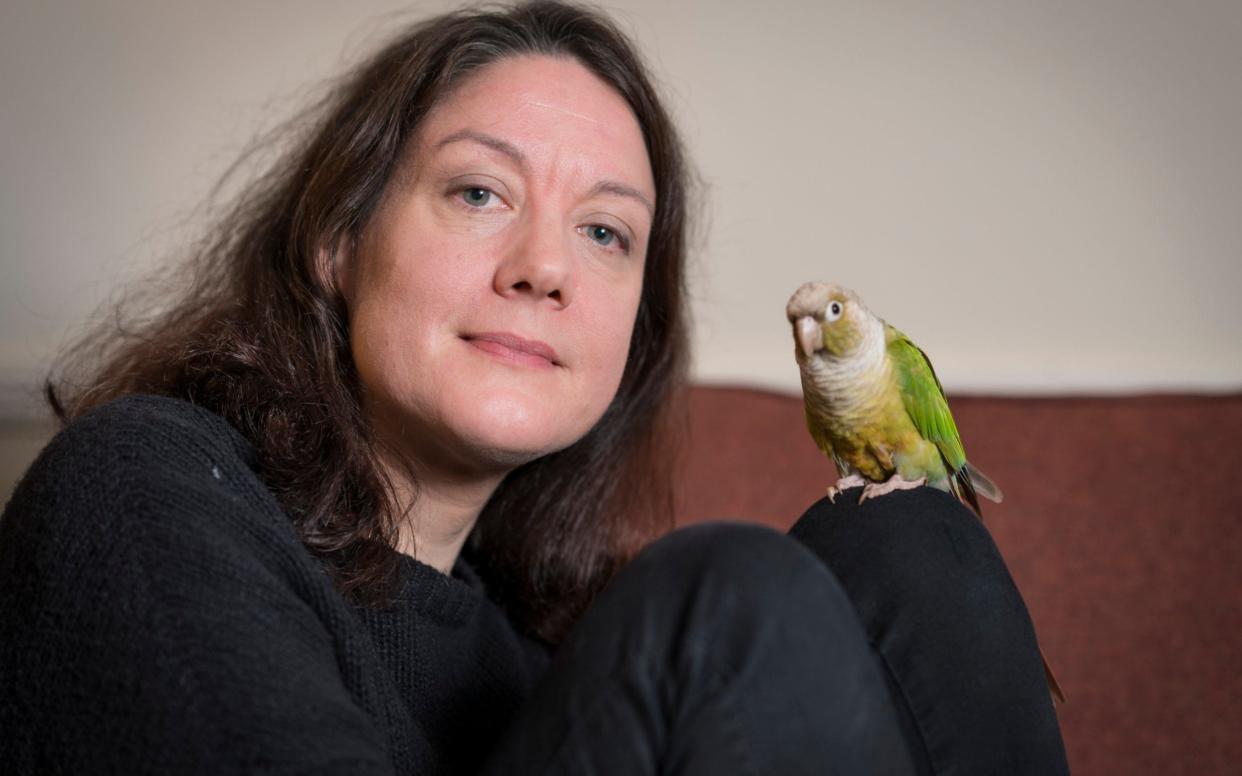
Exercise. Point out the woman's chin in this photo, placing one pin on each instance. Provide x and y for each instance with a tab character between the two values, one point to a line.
484	433
503	435
513	445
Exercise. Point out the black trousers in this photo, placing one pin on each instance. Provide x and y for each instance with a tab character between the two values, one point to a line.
882	638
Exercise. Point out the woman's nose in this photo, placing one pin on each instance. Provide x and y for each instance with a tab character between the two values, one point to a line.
539	264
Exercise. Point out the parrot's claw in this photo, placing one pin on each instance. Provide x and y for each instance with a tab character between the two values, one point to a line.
874	489
843	484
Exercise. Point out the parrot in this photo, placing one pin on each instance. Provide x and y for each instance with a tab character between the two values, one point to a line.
875	406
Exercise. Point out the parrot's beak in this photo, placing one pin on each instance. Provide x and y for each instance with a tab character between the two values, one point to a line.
810	339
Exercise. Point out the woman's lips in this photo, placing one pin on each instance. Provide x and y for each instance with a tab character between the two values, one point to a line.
515	349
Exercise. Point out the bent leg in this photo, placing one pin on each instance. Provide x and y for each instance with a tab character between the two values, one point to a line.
720	649
954	635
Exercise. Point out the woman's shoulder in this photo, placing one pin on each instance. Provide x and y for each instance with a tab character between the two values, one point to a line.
129	446
144	429
140	466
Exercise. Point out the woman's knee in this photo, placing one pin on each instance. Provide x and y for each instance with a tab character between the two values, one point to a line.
747	557
736	583
919	548
696	588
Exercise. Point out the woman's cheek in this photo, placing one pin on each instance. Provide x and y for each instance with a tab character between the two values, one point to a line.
615	334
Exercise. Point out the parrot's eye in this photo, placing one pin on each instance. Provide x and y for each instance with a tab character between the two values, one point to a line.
833	311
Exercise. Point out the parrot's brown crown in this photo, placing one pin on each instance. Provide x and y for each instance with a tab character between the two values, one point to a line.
812	298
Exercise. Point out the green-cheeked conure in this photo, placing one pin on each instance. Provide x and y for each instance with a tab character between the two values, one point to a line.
875	406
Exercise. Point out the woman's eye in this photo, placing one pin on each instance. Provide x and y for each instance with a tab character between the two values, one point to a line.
601	234
605	237
476	196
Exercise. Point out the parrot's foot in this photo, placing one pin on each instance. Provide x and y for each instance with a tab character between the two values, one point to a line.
873	489
845	483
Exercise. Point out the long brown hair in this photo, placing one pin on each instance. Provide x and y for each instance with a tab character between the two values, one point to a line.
259	333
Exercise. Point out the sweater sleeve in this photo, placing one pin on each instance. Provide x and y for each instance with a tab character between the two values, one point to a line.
157	617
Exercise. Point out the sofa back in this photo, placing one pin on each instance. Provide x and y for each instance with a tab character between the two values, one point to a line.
1121	524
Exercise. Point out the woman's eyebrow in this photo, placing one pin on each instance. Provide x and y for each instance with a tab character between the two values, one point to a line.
622	190
514	153
491	141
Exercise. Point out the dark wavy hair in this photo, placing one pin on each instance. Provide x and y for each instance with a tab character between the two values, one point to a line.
258	331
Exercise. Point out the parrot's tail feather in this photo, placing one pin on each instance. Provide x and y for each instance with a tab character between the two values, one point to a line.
982	485
1053	685
963	489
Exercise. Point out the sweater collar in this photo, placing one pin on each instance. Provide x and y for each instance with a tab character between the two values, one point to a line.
448	598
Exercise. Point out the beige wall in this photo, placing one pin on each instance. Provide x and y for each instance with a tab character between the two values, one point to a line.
1046	195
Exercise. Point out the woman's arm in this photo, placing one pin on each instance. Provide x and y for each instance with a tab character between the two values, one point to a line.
158	618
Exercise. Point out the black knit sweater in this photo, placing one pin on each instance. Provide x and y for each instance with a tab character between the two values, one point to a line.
158	613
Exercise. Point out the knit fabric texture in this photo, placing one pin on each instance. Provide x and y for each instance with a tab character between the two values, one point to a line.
159	614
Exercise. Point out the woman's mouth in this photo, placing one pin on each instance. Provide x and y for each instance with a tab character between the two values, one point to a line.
514	349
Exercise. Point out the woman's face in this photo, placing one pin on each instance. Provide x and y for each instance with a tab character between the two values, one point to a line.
493	295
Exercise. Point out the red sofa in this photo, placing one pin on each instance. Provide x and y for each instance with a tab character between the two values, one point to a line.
1122	525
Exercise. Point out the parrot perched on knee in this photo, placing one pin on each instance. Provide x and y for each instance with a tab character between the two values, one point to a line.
875	406
873	402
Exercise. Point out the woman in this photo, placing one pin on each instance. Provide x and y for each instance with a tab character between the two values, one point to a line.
336	509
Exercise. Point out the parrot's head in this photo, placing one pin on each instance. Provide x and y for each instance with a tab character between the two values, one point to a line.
828	320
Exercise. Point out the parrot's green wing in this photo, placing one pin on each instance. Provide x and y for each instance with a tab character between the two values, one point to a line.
924	400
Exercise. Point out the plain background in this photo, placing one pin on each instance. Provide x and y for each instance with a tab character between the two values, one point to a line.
1046	196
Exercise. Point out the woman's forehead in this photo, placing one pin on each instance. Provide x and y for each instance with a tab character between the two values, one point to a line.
536	109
